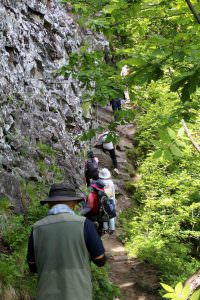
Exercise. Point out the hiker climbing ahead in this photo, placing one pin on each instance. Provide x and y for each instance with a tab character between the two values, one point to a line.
106	144
116	106
91	167
61	246
106	178
99	208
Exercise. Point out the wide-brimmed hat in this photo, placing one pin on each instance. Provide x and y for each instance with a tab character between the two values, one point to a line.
98	185
104	173
62	192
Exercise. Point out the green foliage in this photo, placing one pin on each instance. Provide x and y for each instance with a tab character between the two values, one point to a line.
196	295
90	134
180	292
103	289
165	229
4	205
47	164
111	137
156	40
13	267
46	150
100	80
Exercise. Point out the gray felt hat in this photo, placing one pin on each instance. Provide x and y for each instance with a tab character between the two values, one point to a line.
62	192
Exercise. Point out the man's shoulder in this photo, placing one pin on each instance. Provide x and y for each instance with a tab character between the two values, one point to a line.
40	222
58	218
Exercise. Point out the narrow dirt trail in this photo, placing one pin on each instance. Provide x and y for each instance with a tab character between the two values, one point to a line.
137	280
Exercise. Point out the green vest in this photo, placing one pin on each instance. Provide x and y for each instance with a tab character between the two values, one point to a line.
62	258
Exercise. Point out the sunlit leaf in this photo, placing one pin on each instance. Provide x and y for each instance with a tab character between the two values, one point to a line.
195	295
167	155
163	134
180	143
134	61
156	143
171	132
157	154
169	295
167	287
175	150
178	288
181	132
186	291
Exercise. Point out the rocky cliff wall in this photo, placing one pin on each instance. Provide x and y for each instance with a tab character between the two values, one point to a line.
40	115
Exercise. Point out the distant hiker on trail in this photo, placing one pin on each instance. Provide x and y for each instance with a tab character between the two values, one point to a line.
116	105
61	246
106	178
125	71
106	145
91	167
99	207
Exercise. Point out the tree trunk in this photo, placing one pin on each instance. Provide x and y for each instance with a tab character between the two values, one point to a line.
194	281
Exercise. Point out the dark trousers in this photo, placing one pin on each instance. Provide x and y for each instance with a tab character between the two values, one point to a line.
113	157
88	176
116	104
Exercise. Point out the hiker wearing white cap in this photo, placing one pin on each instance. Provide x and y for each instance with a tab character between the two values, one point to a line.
106	178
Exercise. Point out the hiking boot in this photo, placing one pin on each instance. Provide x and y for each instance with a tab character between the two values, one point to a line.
116	171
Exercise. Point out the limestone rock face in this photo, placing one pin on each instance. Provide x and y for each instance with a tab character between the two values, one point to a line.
38	108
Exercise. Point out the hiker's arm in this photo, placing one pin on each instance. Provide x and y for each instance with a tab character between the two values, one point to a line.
89	205
100	260
31	254
94	244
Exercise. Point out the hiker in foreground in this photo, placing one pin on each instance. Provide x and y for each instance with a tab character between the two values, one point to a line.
91	167
104	142
106	178
99	207
61	246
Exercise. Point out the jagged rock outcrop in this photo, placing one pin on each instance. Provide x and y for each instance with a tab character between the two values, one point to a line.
36	106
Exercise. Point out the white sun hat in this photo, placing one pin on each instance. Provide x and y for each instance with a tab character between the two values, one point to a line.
104	173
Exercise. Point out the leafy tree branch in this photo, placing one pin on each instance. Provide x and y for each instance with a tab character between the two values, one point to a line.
196	146
194	12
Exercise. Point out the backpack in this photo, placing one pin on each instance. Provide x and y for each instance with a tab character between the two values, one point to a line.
91	166
101	138
106	208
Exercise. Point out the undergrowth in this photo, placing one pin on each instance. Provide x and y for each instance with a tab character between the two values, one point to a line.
164	227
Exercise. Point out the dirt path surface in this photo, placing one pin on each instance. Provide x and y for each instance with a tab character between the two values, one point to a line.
137	280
